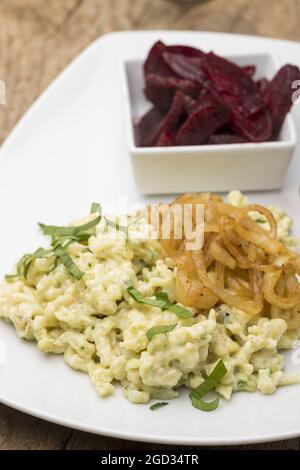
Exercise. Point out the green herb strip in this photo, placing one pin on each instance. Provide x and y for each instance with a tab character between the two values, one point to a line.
161	301
66	241
95	207
212	380
157	330
39	253
62	238
56	231
181	312
205	405
210	384
11	277
26	261
67	261
155	406
53	267
138	297
162	296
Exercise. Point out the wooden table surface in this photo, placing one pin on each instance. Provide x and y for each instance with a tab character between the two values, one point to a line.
38	39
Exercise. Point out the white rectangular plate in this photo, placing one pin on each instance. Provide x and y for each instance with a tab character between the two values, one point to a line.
68	150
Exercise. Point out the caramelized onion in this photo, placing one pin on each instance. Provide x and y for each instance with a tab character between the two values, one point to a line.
241	263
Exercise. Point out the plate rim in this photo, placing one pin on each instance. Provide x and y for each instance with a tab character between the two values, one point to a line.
149	438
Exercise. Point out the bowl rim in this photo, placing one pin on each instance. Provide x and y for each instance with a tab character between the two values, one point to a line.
198	149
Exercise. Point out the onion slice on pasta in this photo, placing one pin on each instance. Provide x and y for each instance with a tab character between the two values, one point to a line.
241	263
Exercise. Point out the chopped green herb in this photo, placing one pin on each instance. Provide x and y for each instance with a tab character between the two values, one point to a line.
138	297
66	241
62	238
161	301
39	253
156	330
158	405
25	262
212	380
21	264
95	207
67	261
180	311
56	231
162	296
210	384
260	221
11	277
205	405
53	267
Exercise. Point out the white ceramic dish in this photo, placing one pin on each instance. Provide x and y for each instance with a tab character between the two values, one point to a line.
68	150
163	170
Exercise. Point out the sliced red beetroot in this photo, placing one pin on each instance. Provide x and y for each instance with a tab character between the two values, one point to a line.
201	124
173	117
187	51
146	128
185	67
155	62
278	94
190	104
154	123
166	139
209	95
161	90
249	70
262	85
256	128
221	139
210	99
238	89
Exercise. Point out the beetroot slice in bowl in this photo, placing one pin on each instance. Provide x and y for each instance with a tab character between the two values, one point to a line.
146	128
201	124
278	94
190	104
155	63
161	90
187	51
166	139
209	95
256	128
262	85
185	67
237	88
173	117
203	98
153	124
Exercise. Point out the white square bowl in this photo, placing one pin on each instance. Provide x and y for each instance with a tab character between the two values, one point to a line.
177	169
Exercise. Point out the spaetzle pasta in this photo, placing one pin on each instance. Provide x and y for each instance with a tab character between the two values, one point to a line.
101	330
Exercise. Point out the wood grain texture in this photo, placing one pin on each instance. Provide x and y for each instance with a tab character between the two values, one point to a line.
37	40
